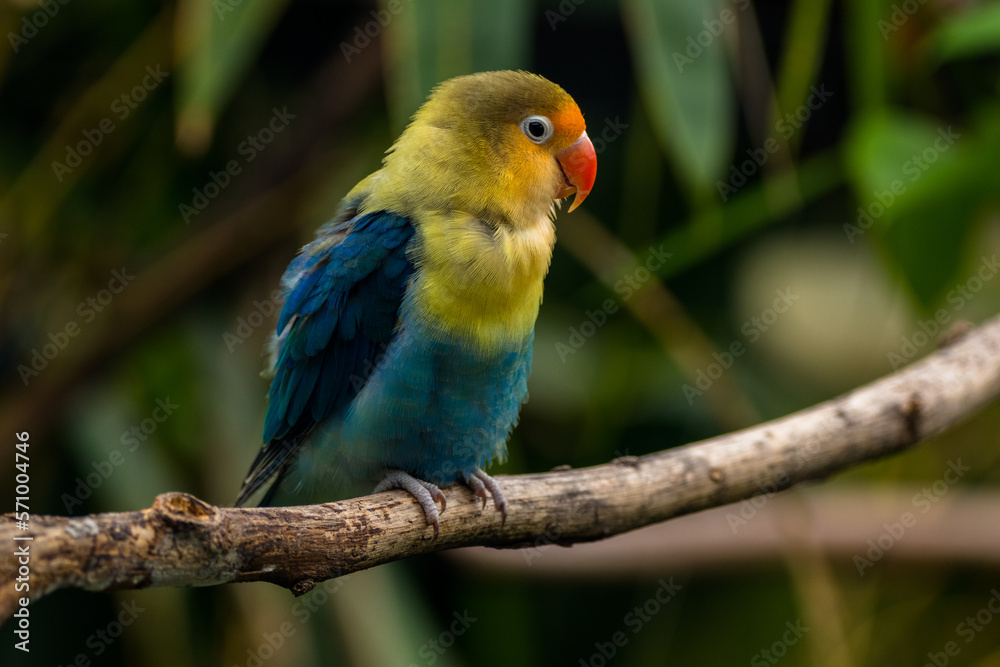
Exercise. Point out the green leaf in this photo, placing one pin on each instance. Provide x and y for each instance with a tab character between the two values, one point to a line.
971	32
430	42
919	191
680	54
929	242
881	146
865	54
216	44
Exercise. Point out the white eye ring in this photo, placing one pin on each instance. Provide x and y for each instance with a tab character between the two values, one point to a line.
532	125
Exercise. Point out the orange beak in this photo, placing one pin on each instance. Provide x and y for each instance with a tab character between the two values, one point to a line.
579	167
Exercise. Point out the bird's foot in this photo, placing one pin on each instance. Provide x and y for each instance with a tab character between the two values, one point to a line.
425	493
480	483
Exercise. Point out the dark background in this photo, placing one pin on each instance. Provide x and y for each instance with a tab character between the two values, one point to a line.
793	153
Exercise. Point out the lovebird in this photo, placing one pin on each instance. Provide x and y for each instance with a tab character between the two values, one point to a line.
403	347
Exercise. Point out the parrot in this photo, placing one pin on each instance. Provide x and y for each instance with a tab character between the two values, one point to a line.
405	340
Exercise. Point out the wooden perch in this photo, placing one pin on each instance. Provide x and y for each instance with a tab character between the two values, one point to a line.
182	541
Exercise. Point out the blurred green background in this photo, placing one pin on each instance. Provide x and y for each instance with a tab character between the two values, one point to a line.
823	177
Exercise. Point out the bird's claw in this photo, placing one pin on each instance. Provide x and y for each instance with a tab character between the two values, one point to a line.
425	493
480	483
428	494
478	488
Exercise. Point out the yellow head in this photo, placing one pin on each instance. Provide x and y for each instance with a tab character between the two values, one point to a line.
500	146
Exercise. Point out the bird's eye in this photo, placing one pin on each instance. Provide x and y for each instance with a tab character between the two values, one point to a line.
537	128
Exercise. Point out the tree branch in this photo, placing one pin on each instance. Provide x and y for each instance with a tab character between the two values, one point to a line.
183	541
838	521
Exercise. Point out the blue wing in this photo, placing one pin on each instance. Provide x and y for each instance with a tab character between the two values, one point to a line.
342	301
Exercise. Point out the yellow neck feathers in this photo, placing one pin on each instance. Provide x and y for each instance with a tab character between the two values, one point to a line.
479	283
